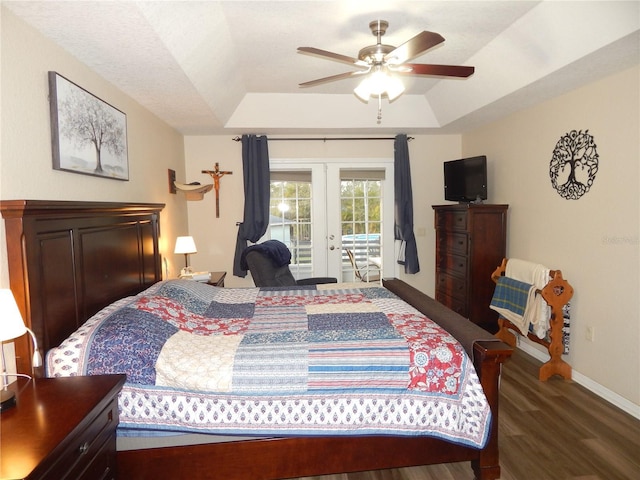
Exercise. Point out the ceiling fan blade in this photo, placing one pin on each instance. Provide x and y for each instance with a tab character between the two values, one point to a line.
440	70
333	56
413	47
332	78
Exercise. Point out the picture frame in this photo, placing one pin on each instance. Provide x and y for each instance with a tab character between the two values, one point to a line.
88	136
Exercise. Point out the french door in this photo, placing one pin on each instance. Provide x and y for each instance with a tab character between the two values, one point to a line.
335	216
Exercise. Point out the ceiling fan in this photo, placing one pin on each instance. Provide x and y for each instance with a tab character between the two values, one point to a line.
384	61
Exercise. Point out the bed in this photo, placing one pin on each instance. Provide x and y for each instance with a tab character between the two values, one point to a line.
69	260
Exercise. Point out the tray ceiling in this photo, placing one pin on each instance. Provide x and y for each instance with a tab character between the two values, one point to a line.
210	67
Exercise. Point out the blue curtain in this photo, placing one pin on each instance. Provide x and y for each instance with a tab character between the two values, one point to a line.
404	206
255	165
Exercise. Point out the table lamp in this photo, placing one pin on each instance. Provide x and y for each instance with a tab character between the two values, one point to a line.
11	327
186	246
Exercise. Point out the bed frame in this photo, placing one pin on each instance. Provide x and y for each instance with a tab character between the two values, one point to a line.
67	260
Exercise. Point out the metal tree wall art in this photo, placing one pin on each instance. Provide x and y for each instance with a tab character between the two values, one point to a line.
574	164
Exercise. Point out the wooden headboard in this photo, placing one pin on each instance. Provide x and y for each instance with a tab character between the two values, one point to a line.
68	259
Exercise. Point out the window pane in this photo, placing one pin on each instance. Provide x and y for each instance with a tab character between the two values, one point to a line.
304	210
359	213
361	206
290	222
346	208
276	189
304	190
373	189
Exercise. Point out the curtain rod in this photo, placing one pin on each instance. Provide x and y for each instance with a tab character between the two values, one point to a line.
324	139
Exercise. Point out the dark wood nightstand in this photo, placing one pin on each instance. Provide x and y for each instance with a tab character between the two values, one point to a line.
216	279
61	428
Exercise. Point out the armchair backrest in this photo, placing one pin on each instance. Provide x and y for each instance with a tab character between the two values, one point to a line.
265	273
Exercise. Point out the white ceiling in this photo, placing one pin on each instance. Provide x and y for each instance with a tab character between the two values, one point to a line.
211	67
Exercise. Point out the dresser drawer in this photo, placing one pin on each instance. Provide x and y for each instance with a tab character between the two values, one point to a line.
88	450
452	264
451	285
452	243
455	220
455	304
103	465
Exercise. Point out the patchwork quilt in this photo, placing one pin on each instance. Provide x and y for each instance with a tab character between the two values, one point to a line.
317	360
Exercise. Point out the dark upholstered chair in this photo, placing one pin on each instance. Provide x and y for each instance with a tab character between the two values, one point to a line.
270	271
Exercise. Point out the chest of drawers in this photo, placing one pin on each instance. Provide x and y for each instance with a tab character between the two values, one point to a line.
470	243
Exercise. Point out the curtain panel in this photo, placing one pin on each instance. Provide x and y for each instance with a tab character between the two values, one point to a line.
255	165
403	226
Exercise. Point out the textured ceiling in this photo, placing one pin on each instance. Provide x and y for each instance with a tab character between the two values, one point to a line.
209	67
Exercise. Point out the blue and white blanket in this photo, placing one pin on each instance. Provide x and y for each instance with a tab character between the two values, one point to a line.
514	300
327	360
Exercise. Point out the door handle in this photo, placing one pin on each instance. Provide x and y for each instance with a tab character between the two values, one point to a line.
332	247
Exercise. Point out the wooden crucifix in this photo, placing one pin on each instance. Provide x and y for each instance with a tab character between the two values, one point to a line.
216	174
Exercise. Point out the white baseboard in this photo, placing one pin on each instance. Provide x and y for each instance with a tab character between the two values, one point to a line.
603	392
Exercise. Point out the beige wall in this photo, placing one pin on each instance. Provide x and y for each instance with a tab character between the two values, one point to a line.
593	240
25	155
216	237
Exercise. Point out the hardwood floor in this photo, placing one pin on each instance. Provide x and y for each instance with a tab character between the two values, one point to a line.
554	430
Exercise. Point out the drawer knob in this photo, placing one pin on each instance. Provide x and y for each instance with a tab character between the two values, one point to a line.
84	448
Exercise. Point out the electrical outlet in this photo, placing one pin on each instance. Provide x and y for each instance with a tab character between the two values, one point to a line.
591	334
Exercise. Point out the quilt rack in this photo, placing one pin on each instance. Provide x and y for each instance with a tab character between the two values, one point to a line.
557	293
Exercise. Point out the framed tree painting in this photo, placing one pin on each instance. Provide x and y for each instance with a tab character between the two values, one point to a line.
88	135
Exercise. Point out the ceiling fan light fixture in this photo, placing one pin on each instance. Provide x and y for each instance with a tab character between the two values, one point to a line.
362	91
377	84
395	88
384	63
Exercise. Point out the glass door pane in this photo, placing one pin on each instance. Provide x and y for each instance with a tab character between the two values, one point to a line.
290	222
323	211
297	216
361	225
360	218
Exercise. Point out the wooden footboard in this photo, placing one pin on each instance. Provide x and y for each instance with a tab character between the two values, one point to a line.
281	458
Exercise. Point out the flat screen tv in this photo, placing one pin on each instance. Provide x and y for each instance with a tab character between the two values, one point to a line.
465	180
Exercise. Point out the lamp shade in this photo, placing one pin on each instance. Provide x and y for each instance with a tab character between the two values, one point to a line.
378	83
185	245
11	323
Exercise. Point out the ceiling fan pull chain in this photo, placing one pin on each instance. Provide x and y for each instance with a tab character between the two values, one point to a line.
379	109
